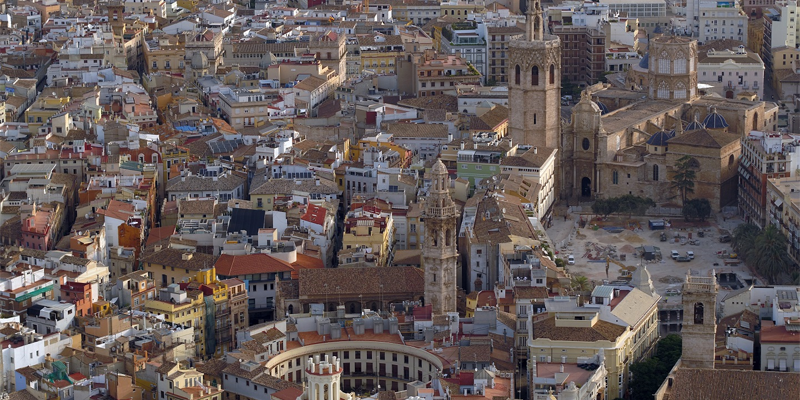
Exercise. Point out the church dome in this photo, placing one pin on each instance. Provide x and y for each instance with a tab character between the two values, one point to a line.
645	61
694	126
715	121
199	60
660	138
603	108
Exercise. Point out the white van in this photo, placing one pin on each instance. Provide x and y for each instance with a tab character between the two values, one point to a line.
571	260
690	255
675	254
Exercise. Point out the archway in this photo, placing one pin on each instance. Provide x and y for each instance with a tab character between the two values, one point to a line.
729	94
755	122
586	187
698	313
291	308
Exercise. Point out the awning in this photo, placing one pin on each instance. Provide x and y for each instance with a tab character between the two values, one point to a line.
36	292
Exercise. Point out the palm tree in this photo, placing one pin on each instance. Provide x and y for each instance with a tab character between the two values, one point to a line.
684	177
580	283
769	253
743	238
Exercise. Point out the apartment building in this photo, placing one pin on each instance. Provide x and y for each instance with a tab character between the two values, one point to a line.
721	20
168	266
621	322
379	52
765	156
497	53
467	40
583	53
24	286
368	227
433	74
184	308
731	71
783	211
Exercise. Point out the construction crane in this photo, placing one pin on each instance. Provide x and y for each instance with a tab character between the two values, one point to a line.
626	272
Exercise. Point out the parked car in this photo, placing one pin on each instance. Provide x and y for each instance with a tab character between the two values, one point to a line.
571	259
683	259
675	254
690	255
725	239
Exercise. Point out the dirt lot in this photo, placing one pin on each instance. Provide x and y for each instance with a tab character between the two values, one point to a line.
667	274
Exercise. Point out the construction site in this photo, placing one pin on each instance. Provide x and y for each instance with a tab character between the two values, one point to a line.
608	251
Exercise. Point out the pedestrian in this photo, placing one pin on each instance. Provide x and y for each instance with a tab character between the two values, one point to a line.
565	217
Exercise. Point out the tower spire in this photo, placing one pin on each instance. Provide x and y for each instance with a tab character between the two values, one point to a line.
534	30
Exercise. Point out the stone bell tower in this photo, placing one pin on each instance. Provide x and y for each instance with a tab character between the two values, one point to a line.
439	255
699	320
534	86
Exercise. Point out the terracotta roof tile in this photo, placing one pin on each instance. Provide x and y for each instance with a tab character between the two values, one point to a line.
229	265
602	330
715	384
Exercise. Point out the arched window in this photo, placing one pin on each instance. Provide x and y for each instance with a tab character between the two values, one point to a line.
680	91
698	313
447	238
615	177
435	237
679	65
655	172
535	76
755	122
663	63
516	74
552	74
663	90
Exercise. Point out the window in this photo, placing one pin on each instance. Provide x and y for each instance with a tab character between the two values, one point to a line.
615	177
535	76
655	172
516	74
586	143
552	77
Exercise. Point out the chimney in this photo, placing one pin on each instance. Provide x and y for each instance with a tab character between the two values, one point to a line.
535	150
186	256
317	182
158	247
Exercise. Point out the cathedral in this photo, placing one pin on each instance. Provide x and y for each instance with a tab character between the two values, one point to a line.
627	141
439	254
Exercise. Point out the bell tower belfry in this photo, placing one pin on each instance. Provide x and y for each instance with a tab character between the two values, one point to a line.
439	254
534	86
699	320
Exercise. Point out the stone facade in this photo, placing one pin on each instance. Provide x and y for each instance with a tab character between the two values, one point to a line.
619	143
535	85
700	321
439	255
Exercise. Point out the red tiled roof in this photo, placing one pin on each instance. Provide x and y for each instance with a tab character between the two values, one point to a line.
288	394
160	233
305	262
486	298
228	265
466	378
77	376
315	215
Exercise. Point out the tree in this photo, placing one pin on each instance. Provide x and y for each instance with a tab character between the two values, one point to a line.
684	177
580	283
648	375
743	238
769	253
605	207
696	209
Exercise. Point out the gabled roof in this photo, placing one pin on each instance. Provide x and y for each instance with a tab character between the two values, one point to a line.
259	263
704	138
634	307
